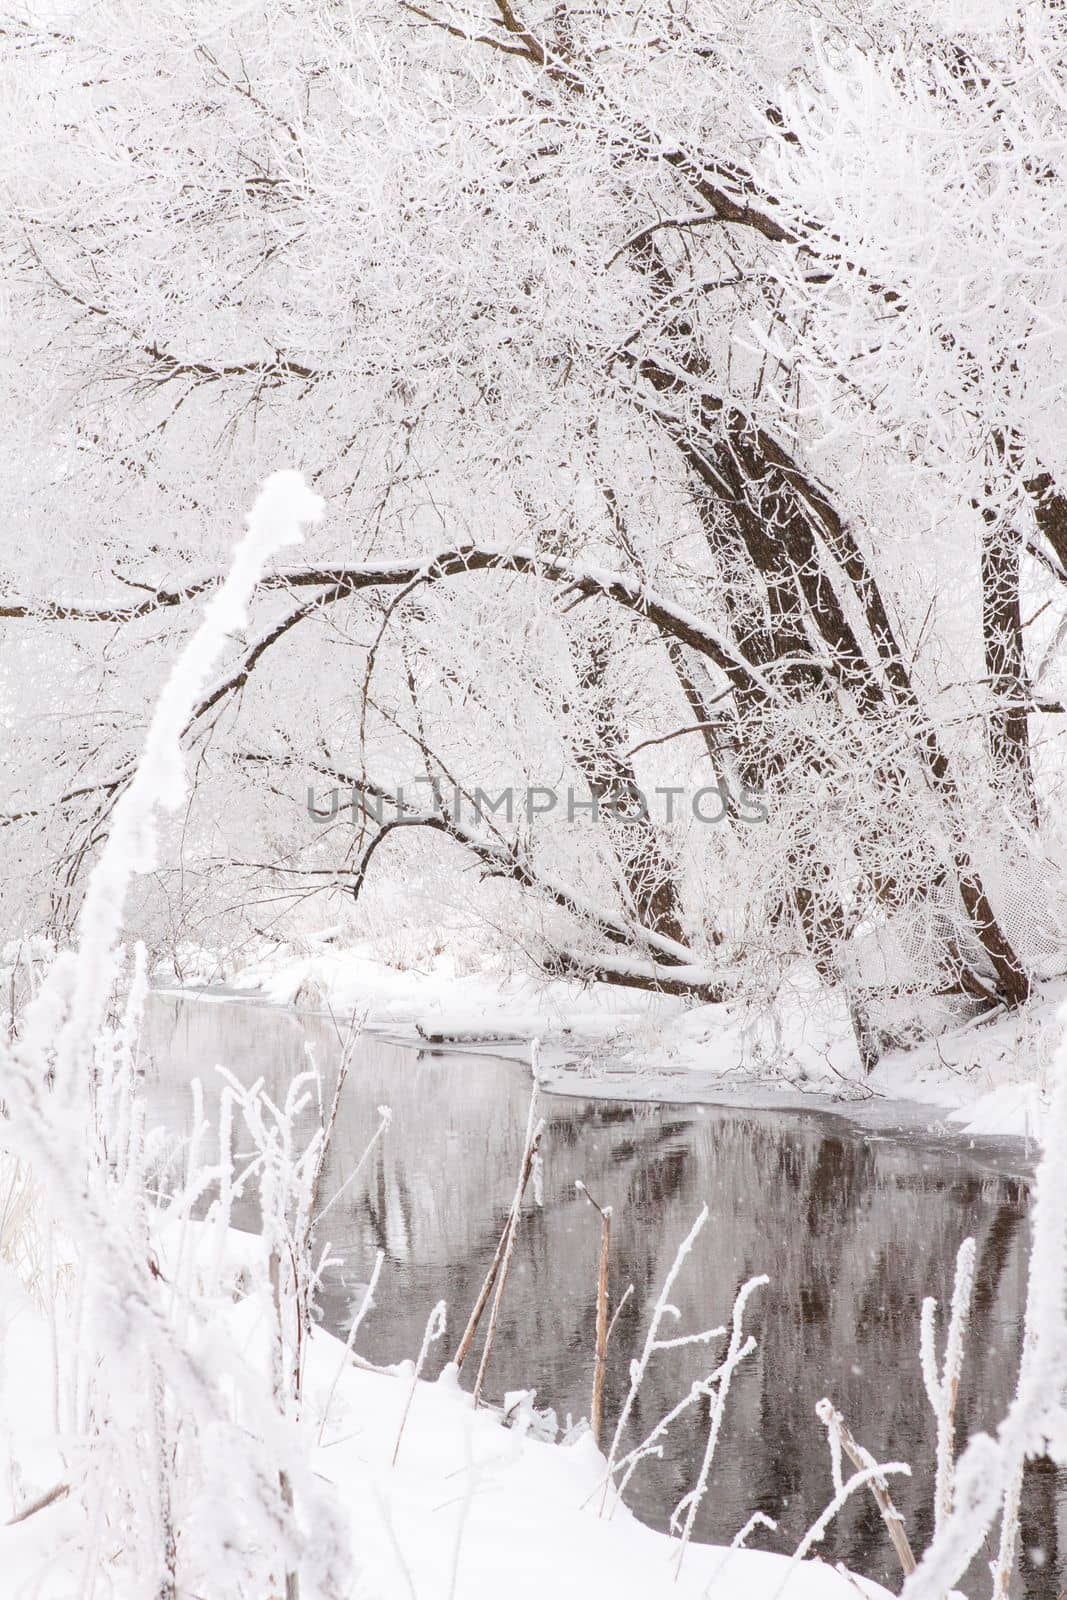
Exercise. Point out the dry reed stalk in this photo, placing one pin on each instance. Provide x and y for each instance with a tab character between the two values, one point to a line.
840	1432
531	1145
329	1122
464	1346
600	1360
40	1504
876	1472
502	1279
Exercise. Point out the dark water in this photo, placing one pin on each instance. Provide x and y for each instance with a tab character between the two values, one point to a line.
853	1229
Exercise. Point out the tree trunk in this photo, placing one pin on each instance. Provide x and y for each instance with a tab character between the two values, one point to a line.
649	876
1002	640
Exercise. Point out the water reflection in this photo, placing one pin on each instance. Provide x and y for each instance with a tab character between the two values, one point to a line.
853	1230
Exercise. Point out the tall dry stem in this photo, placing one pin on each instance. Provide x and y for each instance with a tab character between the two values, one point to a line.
600	1360
531	1146
435	1327
842	1439
470	1331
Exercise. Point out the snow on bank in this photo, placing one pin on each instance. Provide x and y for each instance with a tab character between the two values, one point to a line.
994	1076
439	996
650	1042
499	1509
470	1511
989	1078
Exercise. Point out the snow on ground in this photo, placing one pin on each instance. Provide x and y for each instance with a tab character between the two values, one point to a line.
471	1510
986	1078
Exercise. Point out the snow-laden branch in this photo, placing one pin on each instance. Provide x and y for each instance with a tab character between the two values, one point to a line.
667	966
586	580
160	781
942	1391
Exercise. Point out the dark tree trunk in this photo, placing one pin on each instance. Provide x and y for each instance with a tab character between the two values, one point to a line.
1005	665
649	876
784	523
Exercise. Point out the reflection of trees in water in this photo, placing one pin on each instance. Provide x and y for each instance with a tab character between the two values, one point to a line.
853	1232
1040	1533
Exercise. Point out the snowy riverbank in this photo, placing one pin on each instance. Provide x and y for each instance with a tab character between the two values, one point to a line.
986	1078
468	1509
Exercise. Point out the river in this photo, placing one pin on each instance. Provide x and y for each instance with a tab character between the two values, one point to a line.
853	1226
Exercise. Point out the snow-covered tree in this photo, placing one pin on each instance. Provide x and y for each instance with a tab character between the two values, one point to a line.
652	362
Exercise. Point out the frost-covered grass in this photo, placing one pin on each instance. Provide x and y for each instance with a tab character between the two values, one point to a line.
470	1508
397	1487
293	1471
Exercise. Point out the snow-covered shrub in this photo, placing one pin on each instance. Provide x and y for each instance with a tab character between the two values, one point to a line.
178	1451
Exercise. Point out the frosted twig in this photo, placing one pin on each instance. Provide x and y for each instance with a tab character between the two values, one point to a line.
364	1307
736	1352
943	1391
394	1543
329	1122
858	1480
758	1519
615	1314
638	1368
698	1391
385	1117
435	1327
